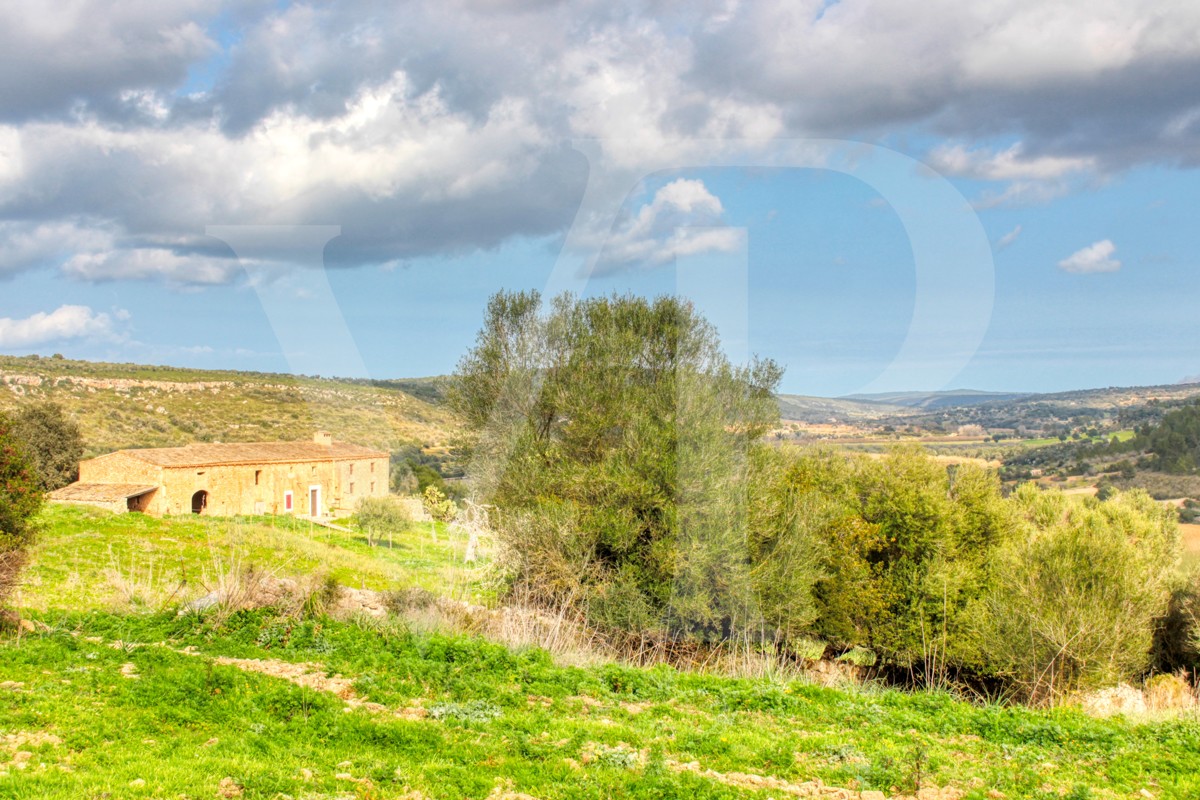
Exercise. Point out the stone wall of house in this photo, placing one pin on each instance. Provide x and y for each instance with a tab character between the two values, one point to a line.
263	488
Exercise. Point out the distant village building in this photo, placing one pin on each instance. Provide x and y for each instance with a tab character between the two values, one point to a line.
304	478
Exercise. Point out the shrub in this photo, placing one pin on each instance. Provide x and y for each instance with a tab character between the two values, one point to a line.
1078	592
1177	631
437	505
53	442
20	499
473	711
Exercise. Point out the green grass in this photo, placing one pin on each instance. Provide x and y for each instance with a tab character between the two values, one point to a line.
502	719
93	559
135	703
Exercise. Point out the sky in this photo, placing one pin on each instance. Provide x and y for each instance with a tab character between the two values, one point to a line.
880	195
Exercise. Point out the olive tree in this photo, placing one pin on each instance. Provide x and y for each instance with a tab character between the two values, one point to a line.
618	422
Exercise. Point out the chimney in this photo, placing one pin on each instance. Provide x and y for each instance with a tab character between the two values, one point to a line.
323	437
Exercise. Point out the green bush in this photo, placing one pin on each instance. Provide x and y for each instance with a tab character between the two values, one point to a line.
52	441
20	499
1078	592
1177	631
890	554
380	516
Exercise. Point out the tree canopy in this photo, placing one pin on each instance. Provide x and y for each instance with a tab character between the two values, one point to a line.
53	442
20	499
1175	442
612	432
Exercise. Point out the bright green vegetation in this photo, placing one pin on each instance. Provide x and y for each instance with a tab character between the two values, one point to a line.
92	559
112	699
624	455
461	718
130	405
52	441
938	572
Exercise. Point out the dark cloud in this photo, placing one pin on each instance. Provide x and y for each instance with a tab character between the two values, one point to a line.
55	57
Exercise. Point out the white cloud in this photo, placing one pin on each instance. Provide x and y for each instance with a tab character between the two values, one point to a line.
437	127
1031	180
1093	258
1022	193
1006	165
31	244
145	263
1006	241
65	322
683	218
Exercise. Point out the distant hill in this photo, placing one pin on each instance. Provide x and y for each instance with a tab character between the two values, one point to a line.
134	405
955	398
802	408
1030	414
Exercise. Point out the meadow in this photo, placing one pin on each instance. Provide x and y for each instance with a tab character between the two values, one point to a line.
118	694
93	559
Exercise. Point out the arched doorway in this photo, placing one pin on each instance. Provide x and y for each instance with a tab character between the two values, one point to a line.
199	502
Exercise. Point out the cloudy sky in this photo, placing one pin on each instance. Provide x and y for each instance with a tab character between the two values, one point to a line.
880	194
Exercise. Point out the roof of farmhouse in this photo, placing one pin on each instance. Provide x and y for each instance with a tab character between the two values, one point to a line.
211	455
101	492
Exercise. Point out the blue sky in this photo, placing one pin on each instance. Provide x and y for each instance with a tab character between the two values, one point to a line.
438	137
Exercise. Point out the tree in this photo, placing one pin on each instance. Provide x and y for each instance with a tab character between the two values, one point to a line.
378	515
1175	442
20	499
437	505
53	442
616	430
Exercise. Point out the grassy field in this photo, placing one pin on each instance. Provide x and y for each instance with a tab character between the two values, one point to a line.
117	695
166	706
92	559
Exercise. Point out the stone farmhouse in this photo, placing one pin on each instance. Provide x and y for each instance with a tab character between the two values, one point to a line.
310	479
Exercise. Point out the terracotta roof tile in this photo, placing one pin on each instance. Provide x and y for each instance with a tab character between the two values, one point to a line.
208	455
100	492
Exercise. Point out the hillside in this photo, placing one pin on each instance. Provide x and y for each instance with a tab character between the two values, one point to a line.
115	694
935	400
1087	411
817	410
132	405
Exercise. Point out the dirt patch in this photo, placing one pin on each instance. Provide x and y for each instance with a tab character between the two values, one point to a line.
20	739
312	676
1119	699
308	675
18	757
813	788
